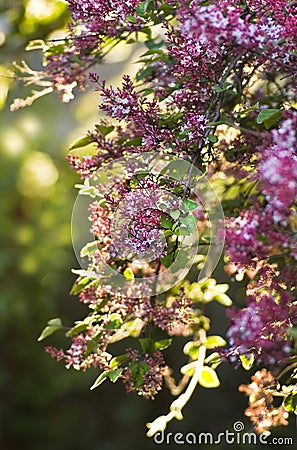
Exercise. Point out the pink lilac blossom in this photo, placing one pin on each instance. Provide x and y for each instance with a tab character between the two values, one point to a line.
251	237
152	377
101	16
76	355
261	328
278	170
224	25
137	226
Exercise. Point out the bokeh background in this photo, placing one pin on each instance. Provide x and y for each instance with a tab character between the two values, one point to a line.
43	405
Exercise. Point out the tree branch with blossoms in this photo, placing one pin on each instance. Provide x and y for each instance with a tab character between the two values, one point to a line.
208	125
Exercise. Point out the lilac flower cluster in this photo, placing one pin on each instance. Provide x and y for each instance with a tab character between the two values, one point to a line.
251	237
152	377
261	328
278	170
261	409
100	16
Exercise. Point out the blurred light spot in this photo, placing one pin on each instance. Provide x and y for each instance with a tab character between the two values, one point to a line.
28	264
2	38
25	235
31	125
44	10
121	53
37	174
12	141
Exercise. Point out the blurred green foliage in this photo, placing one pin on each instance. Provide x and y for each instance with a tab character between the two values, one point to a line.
44	406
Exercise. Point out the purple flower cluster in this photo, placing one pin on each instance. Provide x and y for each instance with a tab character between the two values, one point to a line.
278	170
152	378
261	328
101	16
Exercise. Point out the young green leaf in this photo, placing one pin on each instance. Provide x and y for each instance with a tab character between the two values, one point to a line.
104	129
247	361
214	341
209	378
81	142
48	331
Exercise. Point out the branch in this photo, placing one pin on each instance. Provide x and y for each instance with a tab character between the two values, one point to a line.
159	424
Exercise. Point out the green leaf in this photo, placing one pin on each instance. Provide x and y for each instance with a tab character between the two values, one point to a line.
247	361
190	222
182	231
165	222
147	91
145	72
180	261
290	402
81	142
189	205
269	117
131	19
167	260
118	360
134	142
224	299
89	249
214	341
174	213
105	129
48	331
80	284
188	369
138	370
115	322
102	377
209	378
192	349
80	326
147	345
114	375
37	44
57	322
212	138
162	344
213	360
142	8
128	274
152	45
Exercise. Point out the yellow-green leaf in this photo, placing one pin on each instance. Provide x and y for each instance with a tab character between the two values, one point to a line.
247	361
209	378
214	341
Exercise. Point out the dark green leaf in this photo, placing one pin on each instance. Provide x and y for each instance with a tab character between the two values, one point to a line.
165	222
269	117
147	345
114	375
212	138
162	344
105	129
290	402
81	142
